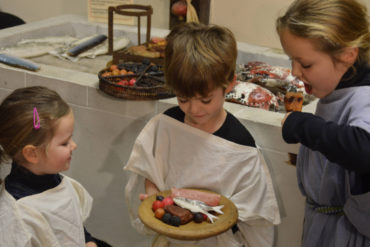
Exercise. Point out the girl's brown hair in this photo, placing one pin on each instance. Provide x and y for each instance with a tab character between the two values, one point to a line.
199	58
17	120
333	24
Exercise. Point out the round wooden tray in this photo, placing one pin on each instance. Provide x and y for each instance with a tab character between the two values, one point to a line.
191	230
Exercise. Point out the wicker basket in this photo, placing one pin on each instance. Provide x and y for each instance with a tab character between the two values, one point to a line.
124	56
109	85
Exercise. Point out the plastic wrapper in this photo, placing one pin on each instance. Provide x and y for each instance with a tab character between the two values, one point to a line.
253	95
276	80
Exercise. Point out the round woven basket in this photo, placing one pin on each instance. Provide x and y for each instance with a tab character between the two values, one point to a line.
109	86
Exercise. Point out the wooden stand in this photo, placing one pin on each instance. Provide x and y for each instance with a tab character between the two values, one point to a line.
130	10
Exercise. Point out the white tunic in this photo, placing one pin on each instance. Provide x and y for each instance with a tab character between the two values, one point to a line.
51	218
172	154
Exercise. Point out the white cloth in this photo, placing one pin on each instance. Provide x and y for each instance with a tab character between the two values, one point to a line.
172	154
53	218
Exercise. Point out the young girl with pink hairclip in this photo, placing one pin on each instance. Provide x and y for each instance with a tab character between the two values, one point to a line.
38	205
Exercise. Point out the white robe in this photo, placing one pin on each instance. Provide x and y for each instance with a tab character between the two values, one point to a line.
172	154
53	218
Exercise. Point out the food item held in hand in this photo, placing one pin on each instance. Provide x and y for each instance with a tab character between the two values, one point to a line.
184	214
293	101
157	204
196	206
209	198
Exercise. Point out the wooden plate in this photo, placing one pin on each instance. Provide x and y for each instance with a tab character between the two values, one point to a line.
191	230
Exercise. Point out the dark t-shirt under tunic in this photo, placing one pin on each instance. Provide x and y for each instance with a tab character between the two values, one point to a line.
232	129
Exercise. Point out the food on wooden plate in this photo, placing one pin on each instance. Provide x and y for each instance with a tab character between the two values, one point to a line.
159	213
293	101
159	197
178	204
199	217
170	219
157	204
196	206
209	198
184	214
167	201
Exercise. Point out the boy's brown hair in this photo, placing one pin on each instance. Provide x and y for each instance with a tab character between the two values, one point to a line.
199	58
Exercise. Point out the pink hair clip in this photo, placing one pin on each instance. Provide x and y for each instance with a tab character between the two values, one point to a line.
36	119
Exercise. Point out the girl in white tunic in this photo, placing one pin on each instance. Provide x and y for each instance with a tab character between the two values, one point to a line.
39	206
200	145
328	42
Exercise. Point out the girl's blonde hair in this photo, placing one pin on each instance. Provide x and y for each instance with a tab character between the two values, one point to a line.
199	58
17	120
332	24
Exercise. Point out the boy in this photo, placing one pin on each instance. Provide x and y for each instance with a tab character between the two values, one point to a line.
199	145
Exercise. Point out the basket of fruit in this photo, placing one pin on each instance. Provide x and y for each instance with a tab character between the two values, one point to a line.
135	81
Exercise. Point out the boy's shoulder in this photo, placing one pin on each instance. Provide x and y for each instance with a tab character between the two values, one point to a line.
232	129
176	113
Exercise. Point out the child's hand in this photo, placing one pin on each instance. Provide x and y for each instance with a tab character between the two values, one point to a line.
142	197
150	189
91	244
285	117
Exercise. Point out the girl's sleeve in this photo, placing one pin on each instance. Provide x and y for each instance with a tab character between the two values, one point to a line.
345	145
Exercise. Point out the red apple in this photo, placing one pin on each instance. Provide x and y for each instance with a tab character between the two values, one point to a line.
179	8
167	201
